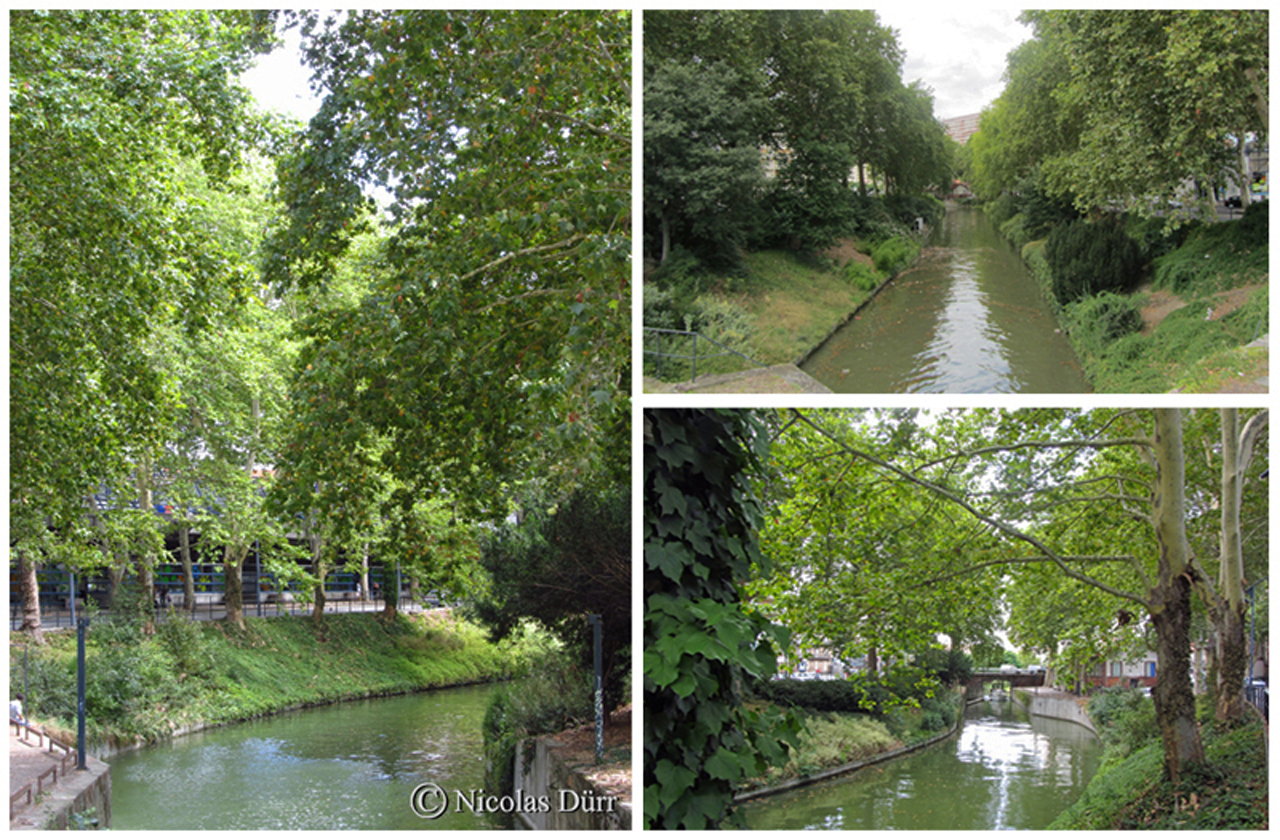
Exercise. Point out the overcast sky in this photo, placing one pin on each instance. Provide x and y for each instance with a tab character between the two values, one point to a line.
960	55
280	82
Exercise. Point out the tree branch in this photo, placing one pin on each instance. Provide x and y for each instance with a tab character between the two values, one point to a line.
1003	527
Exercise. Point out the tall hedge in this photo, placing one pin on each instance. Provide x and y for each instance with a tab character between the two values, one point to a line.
1086	258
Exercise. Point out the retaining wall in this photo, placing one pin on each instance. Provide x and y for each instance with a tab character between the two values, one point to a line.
566	800
79	792
1062	707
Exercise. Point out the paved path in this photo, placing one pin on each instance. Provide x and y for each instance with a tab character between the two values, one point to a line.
779	379
27	761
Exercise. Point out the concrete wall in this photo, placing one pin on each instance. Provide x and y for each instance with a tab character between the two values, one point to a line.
571	801
79	793
1062	707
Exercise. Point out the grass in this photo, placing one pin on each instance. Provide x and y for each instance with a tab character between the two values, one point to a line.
1228	792
1186	351
793	303
832	739
144	688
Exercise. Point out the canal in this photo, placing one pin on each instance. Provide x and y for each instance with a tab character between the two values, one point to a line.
349	765
968	318
1006	770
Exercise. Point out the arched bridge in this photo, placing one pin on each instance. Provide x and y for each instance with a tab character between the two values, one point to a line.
1015	680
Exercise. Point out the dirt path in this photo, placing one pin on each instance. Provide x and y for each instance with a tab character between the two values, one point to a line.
1162	303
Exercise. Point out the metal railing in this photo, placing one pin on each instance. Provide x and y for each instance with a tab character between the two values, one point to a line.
26	792
658	333
213	609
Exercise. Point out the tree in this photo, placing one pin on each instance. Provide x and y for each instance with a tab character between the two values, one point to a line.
560	562
107	111
1161	95
701	642
502	141
701	156
1069	519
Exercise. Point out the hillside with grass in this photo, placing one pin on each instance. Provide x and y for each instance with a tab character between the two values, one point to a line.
190	674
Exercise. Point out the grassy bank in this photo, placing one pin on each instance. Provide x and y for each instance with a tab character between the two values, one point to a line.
189	674
832	739
1184	321
1228	792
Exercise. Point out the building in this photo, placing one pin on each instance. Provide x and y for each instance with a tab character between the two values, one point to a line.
1141	672
960	129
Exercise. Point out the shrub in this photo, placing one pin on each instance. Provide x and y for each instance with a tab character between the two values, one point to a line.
860	275
554	697
1015	230
893	255
1087	258
1101	319
1255	227
1002	209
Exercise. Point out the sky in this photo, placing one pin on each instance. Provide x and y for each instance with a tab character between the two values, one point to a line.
960	55
280	82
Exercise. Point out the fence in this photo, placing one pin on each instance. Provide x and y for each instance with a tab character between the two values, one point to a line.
274	605
677	368
25	796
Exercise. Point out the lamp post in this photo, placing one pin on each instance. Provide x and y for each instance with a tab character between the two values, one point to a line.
82	626
594	620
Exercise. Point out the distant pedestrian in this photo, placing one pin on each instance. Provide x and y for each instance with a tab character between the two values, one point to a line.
359	592
15	710
376	589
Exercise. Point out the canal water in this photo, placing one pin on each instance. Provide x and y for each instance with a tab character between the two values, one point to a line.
1006	770
968	318
349	765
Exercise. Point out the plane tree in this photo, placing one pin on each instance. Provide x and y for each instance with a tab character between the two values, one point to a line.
1056	488
498	144
107	108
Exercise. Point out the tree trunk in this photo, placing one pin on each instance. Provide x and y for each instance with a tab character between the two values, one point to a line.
666	237
233	589
1170	601
1227	609
1231	657
30	583
188	578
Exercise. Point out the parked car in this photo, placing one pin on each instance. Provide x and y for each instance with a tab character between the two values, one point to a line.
1232	201
1008	669
1035	669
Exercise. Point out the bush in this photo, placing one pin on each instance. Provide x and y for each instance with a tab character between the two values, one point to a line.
1087	258
1015	230
1255	226
893	255
860	275
555	696
1101	319
1002	209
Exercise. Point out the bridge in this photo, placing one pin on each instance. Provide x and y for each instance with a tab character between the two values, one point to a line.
1015	680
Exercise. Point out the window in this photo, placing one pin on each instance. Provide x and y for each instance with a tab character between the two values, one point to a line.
1151	669
1115	669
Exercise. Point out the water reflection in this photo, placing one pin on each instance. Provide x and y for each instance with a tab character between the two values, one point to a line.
347	766
1005	770
968	318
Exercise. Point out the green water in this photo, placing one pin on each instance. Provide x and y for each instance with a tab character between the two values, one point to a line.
350	765
1006	770
967	319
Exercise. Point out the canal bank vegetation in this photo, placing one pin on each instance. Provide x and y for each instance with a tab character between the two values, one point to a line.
1079	144
1229	790
189	674
841	724
759	159
1150	309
